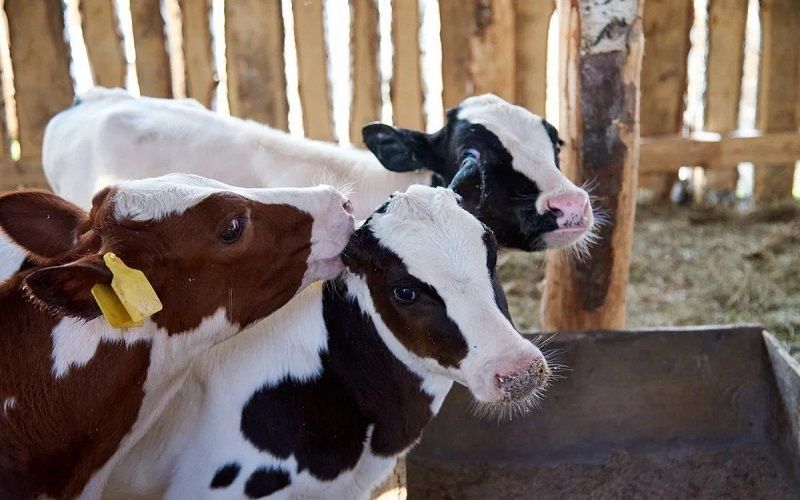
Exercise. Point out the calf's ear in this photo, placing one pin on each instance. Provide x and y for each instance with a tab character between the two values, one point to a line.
68	288
399	149
40	222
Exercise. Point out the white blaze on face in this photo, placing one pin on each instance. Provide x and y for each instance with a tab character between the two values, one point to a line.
525	137
442	245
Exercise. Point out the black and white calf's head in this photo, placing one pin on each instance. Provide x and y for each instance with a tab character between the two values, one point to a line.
503	160
426	271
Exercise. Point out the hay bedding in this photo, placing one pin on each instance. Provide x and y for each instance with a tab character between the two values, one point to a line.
694	266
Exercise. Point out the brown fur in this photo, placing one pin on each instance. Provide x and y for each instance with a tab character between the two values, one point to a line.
62	429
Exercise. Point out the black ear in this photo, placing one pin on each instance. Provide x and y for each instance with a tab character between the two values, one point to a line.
398	149
468	183
68	288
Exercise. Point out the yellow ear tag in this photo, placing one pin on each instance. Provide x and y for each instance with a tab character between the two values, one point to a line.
130	298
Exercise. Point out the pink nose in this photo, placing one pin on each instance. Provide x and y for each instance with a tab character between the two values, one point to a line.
531	376
570	209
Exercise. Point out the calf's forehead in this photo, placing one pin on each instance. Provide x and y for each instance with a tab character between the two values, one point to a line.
522	133
159	197
438	241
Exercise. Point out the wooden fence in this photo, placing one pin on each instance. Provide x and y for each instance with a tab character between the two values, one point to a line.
495	46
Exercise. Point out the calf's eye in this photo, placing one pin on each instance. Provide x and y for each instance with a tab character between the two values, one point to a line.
233	231
404	295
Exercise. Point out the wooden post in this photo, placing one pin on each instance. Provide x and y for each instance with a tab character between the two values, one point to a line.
666	29
408	98
312	68
150	43
601	50
364	47
103	42
778	86
256	69
532	26
727	20
43	86
201	78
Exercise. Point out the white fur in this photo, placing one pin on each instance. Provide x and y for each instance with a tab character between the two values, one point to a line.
441	244
112	135
522	134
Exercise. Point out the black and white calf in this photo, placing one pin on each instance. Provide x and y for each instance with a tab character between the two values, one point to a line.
322	398
501	158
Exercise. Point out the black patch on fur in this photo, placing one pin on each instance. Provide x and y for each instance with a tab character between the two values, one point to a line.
225	475
323	422
266	481
493	191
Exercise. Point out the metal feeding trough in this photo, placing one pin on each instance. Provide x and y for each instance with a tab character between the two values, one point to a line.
710	412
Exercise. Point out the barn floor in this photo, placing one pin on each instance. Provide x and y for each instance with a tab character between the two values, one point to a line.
695	266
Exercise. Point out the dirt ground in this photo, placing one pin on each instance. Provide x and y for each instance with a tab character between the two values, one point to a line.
694	266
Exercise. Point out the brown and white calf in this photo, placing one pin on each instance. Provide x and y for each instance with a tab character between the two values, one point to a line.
320	399
76	393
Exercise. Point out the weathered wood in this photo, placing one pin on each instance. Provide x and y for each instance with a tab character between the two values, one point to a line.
492	43
8	171
666	154
474	34
150	43
364	47
601	47
312	68
256	68
727	20
532	25
666	29
457	27
42	83
778	89
408	97
103	42
201	79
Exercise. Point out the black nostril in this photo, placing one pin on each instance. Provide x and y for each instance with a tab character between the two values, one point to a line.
348	207
558	213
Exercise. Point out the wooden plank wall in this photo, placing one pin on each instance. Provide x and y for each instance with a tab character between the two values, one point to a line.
474	34
727	20
666	31
40	61
779	89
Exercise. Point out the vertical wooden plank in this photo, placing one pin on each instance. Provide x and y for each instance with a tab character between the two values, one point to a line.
312	68
532	24
40	61
103	42
8	171
456	30
492	46
256	69
778	89
408	97
150	43
601	50
666	30
477	49
364	47
201	80
727	20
